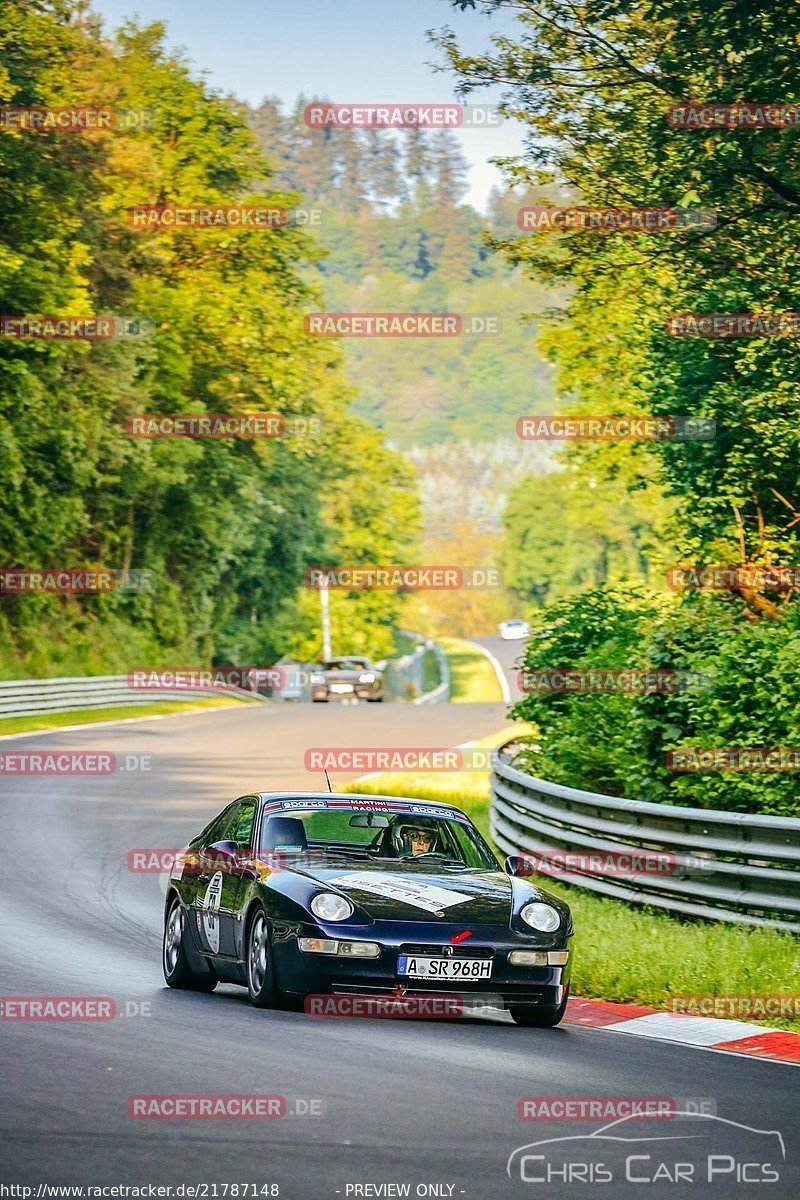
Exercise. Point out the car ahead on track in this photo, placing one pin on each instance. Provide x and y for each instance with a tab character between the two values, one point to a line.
298	894
514	630
346	678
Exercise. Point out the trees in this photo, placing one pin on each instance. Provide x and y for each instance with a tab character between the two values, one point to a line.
226	525
594	85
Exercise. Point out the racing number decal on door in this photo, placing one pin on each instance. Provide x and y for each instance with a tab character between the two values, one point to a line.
211	905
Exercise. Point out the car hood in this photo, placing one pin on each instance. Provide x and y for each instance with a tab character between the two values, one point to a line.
400	893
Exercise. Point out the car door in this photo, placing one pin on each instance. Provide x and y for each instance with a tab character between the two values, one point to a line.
240	831
207	882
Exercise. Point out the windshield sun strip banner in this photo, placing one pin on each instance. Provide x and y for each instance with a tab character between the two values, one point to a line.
386	806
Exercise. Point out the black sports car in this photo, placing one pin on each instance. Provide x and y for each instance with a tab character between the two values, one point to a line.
294	895
346	678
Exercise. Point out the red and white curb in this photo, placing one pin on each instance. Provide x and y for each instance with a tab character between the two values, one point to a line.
711	1033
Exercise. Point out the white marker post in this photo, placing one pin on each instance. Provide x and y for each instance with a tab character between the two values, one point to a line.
324	598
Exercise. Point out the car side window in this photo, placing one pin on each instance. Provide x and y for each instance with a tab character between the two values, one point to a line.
215	832
241	829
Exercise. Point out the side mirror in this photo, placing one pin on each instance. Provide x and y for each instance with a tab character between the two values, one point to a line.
516	864
223	854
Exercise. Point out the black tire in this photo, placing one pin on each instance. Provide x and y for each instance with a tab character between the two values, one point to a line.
259	965
538	1016
174	963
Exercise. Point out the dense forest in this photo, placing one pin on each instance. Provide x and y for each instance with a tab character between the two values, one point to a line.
226	526
398	237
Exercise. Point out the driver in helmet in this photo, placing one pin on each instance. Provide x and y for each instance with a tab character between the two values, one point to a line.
415	838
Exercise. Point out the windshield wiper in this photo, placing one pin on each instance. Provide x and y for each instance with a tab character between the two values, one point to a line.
430	854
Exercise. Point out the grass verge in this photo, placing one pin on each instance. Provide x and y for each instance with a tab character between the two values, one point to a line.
88	716
431	677
473	679
625	953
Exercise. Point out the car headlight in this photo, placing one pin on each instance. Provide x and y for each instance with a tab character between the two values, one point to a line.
367	677
329	907
316	677
541	916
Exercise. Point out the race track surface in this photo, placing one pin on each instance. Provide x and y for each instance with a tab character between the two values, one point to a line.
416	1102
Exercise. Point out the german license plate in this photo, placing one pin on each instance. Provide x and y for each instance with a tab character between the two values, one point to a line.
444	968
341	687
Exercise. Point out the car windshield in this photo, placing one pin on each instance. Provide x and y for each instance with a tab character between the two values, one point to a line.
344	664
374	834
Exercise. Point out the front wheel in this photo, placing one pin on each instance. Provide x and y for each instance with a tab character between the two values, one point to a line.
538	1016
260	968
175	964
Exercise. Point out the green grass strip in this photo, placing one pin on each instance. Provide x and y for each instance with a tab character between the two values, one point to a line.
89	716
473	679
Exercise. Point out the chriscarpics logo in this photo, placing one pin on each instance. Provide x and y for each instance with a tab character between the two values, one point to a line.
691	1148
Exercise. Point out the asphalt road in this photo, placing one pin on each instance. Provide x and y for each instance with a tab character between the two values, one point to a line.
402	1102
508	656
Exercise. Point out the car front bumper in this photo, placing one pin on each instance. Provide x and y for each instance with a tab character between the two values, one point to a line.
300	973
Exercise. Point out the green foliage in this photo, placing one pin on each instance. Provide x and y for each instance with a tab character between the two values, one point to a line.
593	84
566	532
228	526
618	743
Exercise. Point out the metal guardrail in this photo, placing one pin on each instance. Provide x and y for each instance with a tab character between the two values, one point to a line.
28	697
441	693
732	867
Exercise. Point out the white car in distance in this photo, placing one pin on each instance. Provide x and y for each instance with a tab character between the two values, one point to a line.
514	629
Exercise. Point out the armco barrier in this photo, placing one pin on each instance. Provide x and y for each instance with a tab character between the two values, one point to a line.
28	697
441	693
729	866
